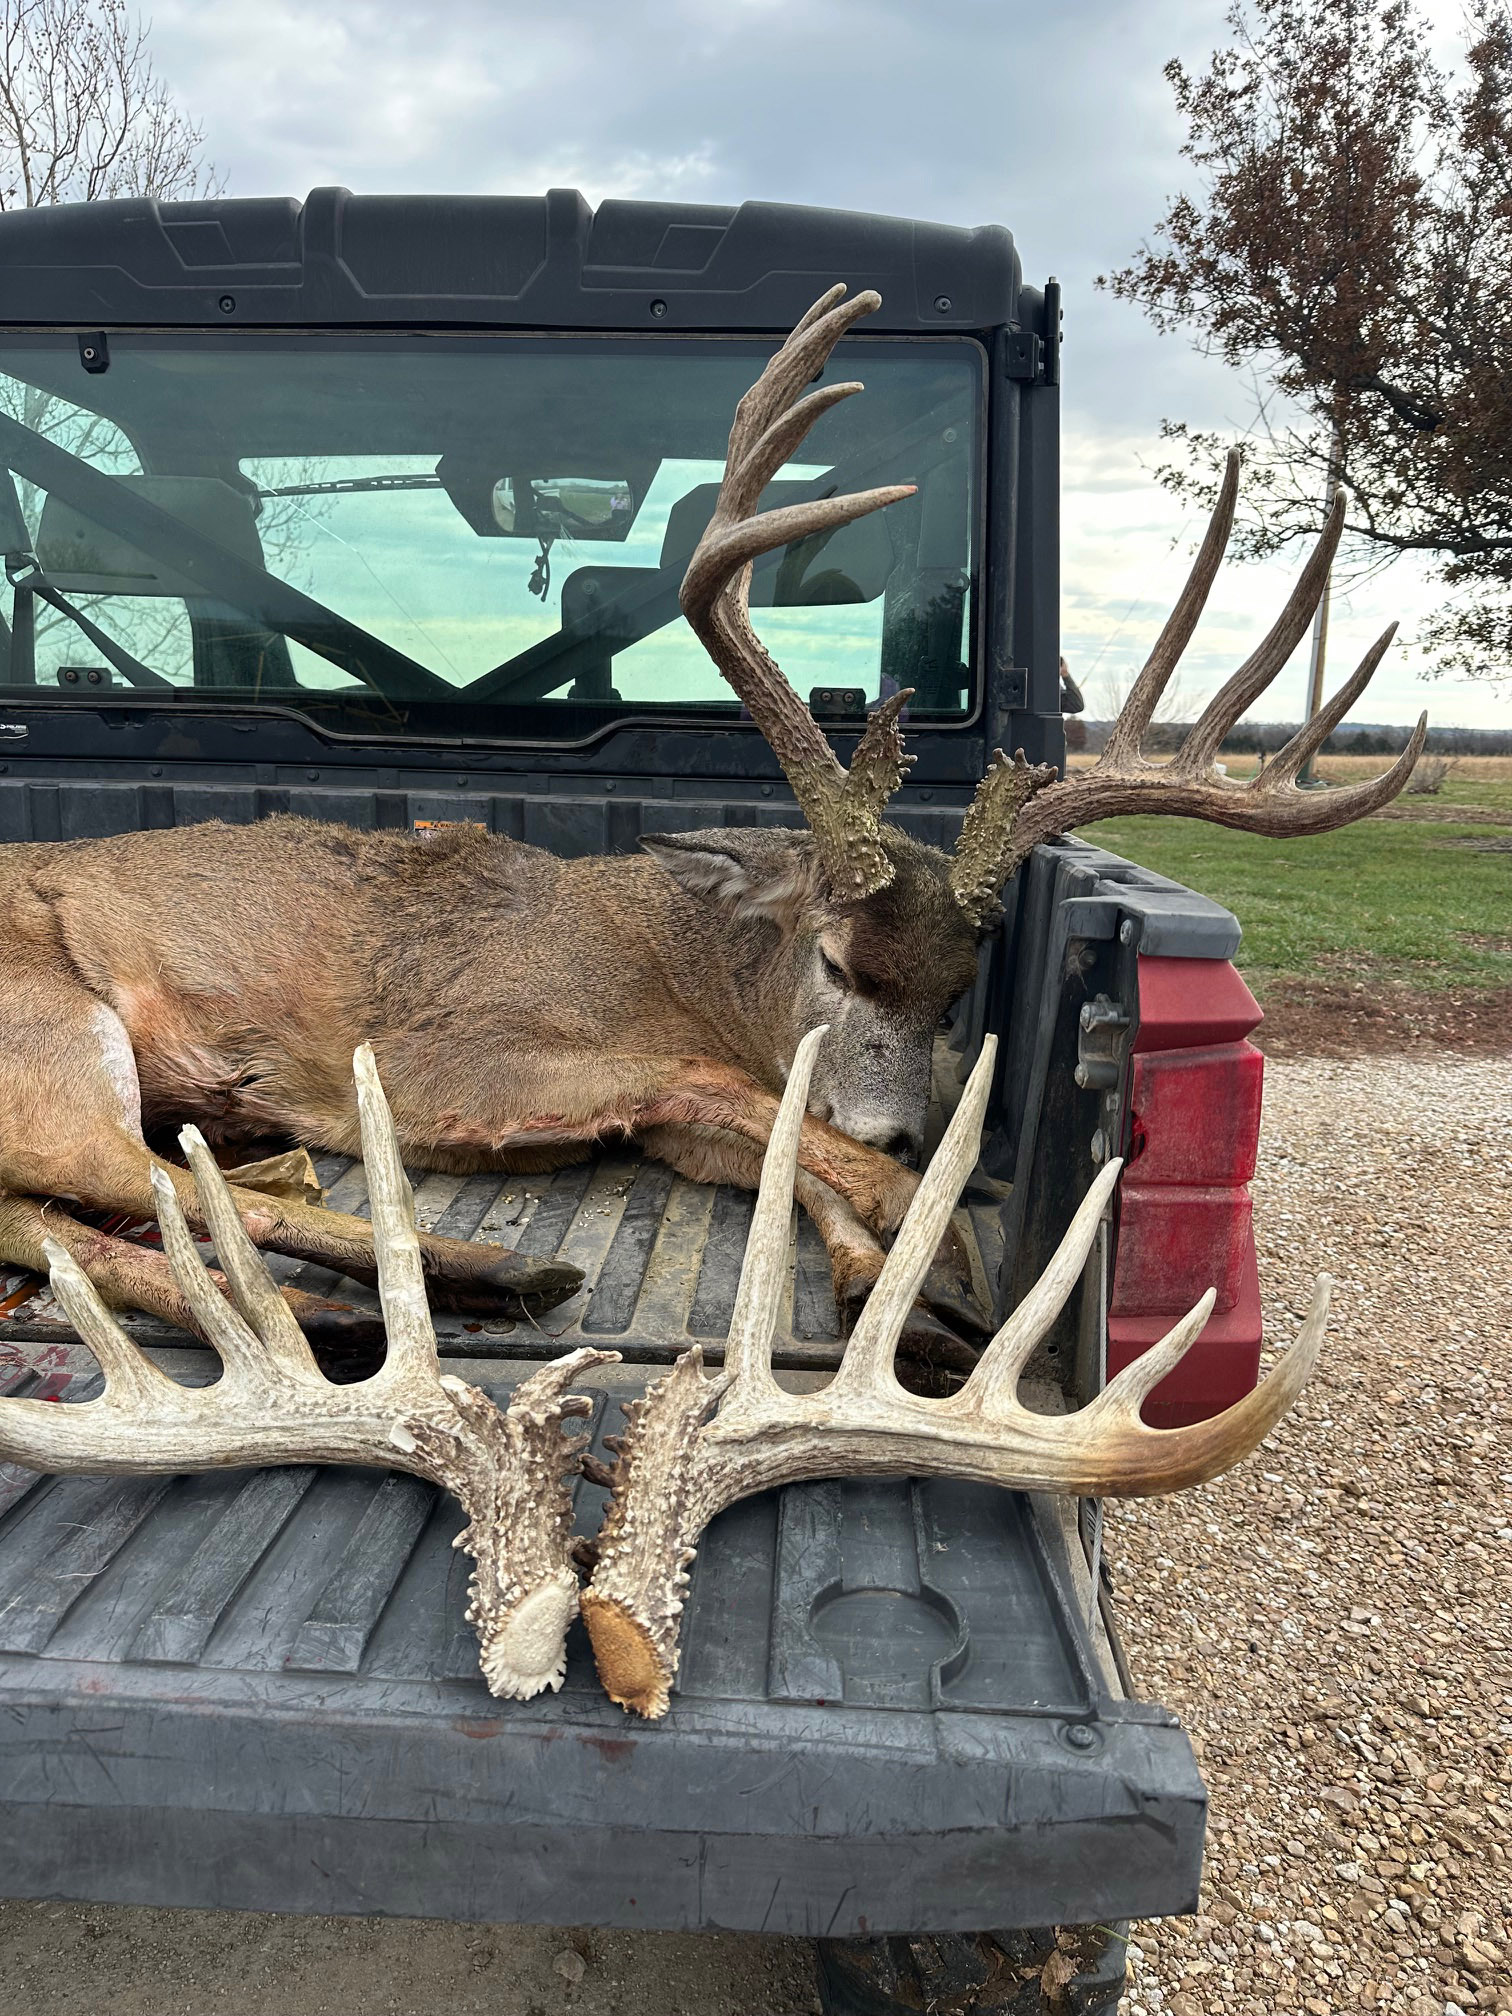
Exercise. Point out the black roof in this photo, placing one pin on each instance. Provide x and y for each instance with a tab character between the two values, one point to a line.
492	261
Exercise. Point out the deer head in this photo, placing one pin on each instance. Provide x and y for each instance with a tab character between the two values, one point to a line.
882	933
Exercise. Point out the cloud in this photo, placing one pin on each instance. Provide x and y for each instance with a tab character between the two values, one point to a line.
1053	120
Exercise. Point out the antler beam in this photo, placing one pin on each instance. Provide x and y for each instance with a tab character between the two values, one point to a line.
1003	828
694	1444
273	1405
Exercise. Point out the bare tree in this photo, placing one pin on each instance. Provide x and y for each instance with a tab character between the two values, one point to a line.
82	115
1350	244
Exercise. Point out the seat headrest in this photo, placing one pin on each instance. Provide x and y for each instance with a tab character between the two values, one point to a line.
83	558
851	566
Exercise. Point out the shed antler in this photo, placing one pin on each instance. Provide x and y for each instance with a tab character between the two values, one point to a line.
273	1405
694	1445
1017	804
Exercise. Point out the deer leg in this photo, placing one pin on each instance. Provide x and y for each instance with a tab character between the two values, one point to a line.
70	1126
877	1189
129	1276
715	1155
584	1098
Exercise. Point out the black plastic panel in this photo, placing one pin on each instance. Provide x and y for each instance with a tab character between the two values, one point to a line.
532	262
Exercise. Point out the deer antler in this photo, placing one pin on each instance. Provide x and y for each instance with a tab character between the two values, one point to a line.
1017	804
843	808
273	1405
694	1445
1007	820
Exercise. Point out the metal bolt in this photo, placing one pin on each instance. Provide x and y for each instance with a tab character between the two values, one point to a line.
608	783
1128	931
461	783
157	770
90	353
227	304
766	790
313	775
658	309
1080	1736
926	796
942	304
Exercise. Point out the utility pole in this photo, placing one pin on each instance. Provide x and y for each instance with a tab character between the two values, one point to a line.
1305	779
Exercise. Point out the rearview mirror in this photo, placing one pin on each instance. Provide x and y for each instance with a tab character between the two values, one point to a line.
566	507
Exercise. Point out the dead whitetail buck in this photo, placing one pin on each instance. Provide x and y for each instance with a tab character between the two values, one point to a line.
523	1007
694	1444
272	1404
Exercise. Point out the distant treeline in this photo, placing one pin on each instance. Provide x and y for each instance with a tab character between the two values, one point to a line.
1368	738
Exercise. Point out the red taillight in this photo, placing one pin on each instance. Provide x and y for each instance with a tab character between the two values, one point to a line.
1184	1202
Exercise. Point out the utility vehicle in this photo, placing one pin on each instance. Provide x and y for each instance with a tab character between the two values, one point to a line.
416	448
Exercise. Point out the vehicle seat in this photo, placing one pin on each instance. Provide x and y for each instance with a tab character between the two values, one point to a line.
79	557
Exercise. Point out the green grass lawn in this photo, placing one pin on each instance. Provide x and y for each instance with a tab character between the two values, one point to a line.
1393	899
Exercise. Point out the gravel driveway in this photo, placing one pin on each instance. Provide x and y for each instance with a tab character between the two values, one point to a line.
1332	1621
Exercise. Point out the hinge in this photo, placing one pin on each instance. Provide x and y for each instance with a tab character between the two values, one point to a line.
1025	356
1100	1044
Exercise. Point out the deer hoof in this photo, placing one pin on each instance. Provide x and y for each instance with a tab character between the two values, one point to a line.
348	1343
510	1284
948	1297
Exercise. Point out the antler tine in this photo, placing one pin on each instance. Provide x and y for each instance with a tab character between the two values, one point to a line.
803	355
994	1383
1124	741
867	1366
131	1381
1201	745
727	548
1119	1403
252	1287
1155	1460
758	1300
396	1245
232	1332
1311	736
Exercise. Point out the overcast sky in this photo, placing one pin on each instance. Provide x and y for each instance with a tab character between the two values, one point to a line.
1055	121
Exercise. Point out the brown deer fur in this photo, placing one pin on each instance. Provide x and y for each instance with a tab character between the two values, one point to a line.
520	1007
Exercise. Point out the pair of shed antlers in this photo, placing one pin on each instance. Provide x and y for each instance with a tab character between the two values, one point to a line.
692	1445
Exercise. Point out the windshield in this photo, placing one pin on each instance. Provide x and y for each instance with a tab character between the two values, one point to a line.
472	535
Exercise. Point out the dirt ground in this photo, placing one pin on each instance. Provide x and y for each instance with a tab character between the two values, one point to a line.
1332	1622
1343	1018
70	1960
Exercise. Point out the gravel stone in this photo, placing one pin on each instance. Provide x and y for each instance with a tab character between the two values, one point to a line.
1332	1621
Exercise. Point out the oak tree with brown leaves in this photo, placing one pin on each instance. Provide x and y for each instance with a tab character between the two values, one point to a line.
1349	243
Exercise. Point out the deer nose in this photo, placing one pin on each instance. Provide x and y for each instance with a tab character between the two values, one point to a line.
904	1147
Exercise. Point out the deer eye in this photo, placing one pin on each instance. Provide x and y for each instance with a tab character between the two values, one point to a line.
831	970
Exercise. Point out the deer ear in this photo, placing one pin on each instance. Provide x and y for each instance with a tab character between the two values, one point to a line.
754	872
